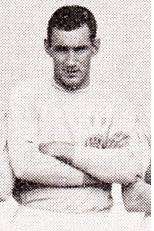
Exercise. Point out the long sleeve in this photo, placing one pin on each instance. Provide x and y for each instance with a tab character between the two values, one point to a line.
27	161
137	196
120	165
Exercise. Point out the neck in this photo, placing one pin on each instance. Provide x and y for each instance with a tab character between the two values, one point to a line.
72	88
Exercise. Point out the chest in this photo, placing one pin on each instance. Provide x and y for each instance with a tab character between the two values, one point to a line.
76	118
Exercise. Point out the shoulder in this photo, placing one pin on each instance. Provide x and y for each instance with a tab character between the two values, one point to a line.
123	112
122	107
28	90
23	88
117	103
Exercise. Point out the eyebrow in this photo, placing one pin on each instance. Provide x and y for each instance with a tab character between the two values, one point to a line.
61	48
66	48
84	47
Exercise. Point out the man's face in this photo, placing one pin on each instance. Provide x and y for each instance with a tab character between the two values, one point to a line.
72	52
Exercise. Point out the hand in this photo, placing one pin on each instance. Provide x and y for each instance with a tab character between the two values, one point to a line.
118	140
96	141
47	148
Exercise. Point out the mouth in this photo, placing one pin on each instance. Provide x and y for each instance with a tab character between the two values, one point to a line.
72	73
71	76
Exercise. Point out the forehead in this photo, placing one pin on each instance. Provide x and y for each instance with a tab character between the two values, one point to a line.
79	36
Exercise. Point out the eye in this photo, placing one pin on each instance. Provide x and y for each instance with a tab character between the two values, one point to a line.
80	48
61	48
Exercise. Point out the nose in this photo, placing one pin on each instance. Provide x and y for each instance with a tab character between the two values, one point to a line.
71	59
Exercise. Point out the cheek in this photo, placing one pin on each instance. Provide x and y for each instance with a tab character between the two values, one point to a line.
85	60
58	59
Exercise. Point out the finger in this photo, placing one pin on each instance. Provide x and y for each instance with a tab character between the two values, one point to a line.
121	137
93	141
117	137
110	144
121	144
89	142
113	140
118	144
99	143
43	148
120	140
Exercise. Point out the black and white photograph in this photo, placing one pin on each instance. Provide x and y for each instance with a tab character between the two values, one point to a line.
75	115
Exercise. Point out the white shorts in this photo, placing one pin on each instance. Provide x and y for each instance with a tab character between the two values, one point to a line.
29	219
21	218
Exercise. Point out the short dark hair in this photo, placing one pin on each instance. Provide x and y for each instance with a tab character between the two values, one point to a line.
72	17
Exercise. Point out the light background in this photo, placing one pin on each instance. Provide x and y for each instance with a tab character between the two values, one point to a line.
123	62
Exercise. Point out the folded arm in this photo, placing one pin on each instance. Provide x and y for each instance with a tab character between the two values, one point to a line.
30	164
122	156
119	163
27	161
108	165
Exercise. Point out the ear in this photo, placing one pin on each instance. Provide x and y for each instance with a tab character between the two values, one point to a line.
48	49
96	45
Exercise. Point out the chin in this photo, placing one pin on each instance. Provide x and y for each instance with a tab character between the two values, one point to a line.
72	82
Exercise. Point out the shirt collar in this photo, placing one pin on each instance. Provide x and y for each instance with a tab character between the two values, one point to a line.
78	91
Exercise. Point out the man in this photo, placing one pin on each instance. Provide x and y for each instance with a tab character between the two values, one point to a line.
68	141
